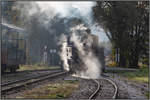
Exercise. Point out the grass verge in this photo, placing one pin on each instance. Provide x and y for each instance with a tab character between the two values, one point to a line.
52	91
36	67
141	75
147	95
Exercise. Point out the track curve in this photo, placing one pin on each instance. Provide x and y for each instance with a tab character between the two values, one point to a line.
95	94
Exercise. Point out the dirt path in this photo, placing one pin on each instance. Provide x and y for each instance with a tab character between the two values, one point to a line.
129	89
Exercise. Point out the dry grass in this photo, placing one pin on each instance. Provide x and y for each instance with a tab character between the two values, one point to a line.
52	91
36	67
140	75
112	64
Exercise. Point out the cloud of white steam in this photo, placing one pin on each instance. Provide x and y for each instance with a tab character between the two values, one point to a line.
47	10
89	59
63	53
68	9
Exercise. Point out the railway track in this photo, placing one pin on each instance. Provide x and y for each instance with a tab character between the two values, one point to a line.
100	91
16	85
26	79
9	73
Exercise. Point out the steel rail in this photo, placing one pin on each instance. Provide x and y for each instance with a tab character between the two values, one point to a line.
115	86
95	92
26	79
9	73
93	95
3	91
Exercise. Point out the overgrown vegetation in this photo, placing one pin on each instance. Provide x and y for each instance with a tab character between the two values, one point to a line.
112	64
36	67
147	95
52	91
141	75
126	26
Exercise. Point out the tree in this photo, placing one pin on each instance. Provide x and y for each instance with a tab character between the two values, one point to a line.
139	33
126	27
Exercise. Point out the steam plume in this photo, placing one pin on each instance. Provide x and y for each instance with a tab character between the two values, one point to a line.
91	63
63	53
45	13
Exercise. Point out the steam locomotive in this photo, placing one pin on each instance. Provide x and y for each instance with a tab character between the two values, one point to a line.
13	47
75	61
